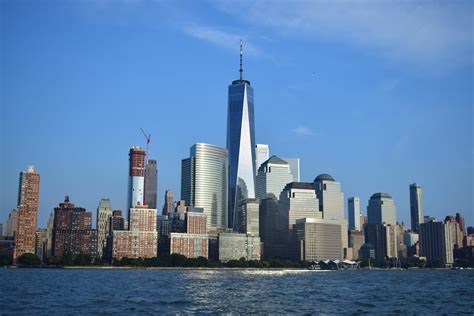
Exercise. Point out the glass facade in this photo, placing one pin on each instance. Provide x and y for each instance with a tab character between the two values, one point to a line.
240	145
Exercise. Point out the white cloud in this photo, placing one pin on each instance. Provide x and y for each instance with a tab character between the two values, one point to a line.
420	31
303	131
222	39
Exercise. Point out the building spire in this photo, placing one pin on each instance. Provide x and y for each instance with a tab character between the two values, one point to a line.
241	70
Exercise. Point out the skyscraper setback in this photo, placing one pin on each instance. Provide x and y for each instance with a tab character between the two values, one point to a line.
136	180
240	143
28	194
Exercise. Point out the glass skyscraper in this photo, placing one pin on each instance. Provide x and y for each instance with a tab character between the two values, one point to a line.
240	143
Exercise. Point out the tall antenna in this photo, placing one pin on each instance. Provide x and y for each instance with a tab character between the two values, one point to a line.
241	70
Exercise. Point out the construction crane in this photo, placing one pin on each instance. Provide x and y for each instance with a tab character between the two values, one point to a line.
148	140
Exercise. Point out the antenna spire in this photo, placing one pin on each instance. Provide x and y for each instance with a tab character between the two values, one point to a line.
241	70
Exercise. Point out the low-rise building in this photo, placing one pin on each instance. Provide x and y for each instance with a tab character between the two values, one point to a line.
233	246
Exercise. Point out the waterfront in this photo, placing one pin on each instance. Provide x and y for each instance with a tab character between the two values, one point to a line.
71	291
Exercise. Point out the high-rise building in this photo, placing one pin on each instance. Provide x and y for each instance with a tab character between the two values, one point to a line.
28	194
12	224
273	175
140	240
384	239
233	246
294	164
151	184
262	153
168	206
318	239
271	234
354	213
381	209
163	228
196	223
204	182
437	241
248	219
190	245
460	220
41	243
136	180
331	199
416	206
104	213
49	235
72	232
410	238
297	200
240	143
356	240
1	230
116	222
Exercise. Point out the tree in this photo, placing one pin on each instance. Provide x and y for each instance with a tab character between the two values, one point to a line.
29	259
83	260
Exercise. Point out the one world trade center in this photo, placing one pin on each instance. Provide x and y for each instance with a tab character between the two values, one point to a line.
240	144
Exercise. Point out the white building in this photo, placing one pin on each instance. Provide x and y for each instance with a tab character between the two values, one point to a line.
294	168
233	246
262	153
272	177
381	209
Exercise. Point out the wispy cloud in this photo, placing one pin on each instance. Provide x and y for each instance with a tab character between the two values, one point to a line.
303	131
222	38
420	31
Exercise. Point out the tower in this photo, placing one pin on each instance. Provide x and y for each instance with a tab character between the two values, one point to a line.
151	185
416	207
273	175
136	180
354	213
104	213
28	194
381	209
240	143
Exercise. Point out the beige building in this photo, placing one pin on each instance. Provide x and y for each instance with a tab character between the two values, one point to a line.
318	239
356	240
248	219
233	246
190	245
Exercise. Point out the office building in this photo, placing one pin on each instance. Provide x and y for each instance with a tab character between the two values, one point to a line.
164	232
367	253
136	180
384	238
428	218
356	240
104	213
151	184
460	220
354	213
240	143
294	164
363	221
270	232
437	242
12	224
318	239
331	199
273	175
49	234
1	230
416	206
233	246
117	222
41	243
470	230
262	153
196	223
28	194
204	183
140	240
410	238
381	210
248	219
72	231
168	207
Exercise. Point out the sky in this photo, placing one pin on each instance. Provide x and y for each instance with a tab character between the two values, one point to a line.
379	94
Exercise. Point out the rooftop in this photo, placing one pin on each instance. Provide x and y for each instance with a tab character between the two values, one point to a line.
324	177
380	195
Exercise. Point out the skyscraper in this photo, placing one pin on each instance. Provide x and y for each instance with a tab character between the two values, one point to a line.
416	206
294	168
104	213
136	180
12	224
262	153
204	182
28	194
240	143
331	199
354	213
248	219
381	209
151	184
168	207
437	241
273	175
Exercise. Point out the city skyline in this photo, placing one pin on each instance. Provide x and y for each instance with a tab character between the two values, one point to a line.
44	149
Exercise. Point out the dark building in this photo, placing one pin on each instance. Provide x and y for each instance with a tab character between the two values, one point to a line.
151	184
460	220
367	253
270	236
470	230
72	231
117	222
163	228
383	238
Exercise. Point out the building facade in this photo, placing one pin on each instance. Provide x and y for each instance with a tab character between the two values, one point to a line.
437	241
248	219
381	209
240	144
294	164
356	240
384	238
104	213
204	182
190	245
12	224
262	153
273	175
331	199
168	206
270	232
136	179
234	246
151	184
28	196
354	213
416	207
41	243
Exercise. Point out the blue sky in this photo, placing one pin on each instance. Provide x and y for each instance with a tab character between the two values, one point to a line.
377	94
